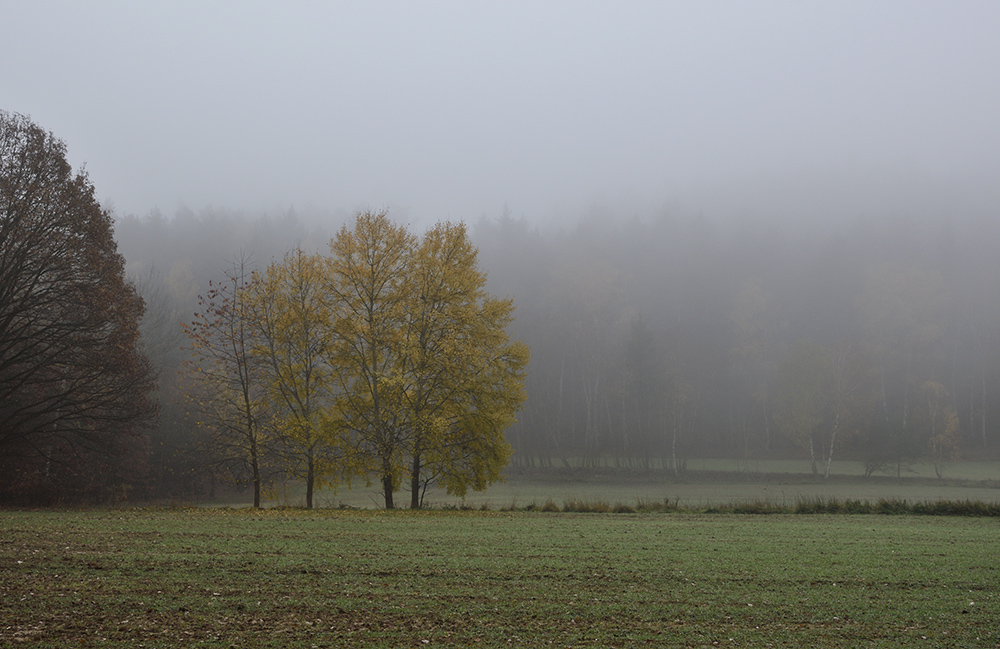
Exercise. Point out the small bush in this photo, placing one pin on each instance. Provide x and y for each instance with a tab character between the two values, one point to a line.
595	507
820	506
810	506
758	507
651	506
858	507
892	507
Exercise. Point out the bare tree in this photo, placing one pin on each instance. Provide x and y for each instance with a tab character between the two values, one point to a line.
230	385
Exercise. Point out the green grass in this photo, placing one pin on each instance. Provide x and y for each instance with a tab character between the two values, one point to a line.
281	577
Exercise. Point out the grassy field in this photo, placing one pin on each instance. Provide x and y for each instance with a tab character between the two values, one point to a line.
282	577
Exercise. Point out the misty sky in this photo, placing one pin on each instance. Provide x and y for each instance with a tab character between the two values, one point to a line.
450	109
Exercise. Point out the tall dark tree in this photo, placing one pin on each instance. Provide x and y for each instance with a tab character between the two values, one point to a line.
74	384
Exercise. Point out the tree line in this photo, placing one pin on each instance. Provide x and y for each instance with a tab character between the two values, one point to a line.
660	340
385	359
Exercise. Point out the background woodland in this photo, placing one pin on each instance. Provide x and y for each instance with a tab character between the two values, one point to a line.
658	340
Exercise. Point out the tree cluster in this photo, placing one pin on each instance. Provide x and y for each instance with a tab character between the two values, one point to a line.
385	359
74	384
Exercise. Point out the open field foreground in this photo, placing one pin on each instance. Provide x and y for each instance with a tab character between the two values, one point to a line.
221	577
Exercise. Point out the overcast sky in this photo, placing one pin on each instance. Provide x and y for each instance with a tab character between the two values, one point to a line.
449	110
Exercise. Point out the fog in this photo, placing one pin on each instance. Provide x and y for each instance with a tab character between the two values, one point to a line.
438	110
733	231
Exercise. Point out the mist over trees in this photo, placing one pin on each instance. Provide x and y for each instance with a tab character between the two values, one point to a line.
655	341
729	250
661	340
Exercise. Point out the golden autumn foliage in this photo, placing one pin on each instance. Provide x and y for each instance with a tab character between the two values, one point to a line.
291	313
427	378
464	377
386	359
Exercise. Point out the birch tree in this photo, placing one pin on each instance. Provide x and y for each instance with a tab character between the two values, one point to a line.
802	406
289	307
368	280
463	375
426	378
937	417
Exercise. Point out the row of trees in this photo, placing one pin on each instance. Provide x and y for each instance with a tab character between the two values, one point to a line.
656	341
74	384
385	359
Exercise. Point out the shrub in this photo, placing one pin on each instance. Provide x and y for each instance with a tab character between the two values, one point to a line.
758	507
594	507
650	506
893	506
858	507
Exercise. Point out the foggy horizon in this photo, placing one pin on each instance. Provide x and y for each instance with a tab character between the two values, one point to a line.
449	111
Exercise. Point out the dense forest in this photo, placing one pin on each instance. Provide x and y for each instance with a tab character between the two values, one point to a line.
658	340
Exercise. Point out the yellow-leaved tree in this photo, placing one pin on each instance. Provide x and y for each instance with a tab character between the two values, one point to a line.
368	282
463	376
292	314
426	377
386	359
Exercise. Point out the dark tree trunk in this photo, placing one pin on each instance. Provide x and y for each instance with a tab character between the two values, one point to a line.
256	484
387	490
310	479
415	483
